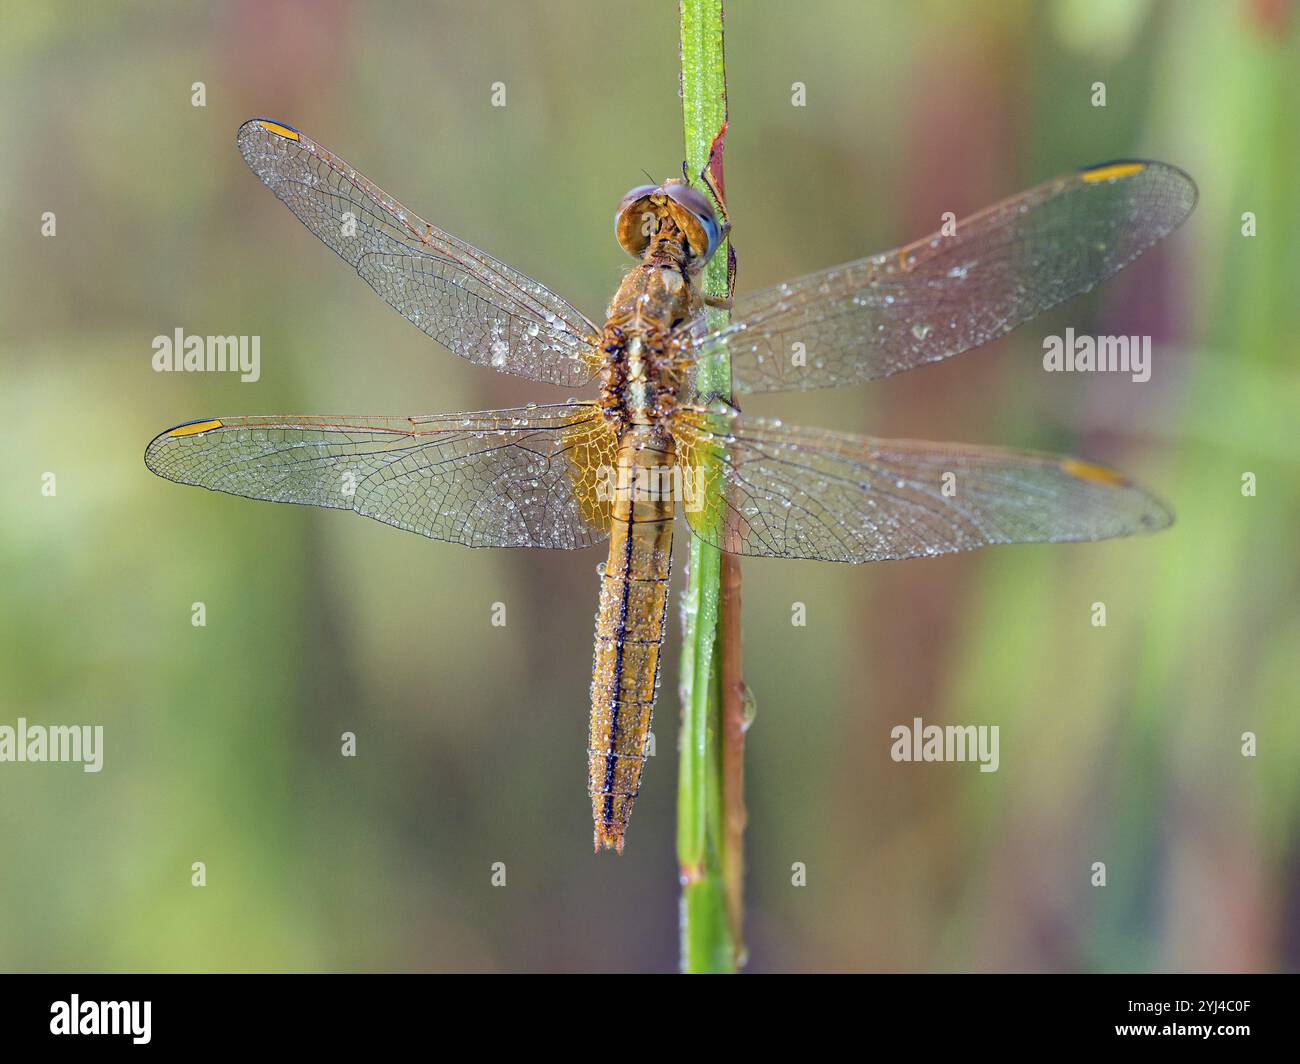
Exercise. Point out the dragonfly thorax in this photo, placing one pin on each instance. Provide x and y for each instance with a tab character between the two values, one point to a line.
644	360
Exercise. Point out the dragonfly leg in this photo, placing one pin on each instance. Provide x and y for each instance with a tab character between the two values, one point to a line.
706	179
724	302
715	402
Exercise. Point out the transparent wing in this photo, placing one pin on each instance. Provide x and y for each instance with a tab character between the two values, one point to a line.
477	307
784	492
525	477
946	294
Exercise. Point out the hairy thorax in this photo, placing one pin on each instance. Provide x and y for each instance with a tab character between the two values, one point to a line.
645	367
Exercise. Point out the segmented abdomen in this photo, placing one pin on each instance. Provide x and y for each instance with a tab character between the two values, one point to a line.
629	630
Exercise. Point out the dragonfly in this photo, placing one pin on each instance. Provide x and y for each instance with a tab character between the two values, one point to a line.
654	440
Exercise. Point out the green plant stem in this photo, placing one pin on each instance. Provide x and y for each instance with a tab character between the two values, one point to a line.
710	809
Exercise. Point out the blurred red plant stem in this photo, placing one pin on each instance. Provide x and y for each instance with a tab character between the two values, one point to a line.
733	747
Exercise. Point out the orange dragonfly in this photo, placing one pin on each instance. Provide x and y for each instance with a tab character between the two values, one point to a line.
569	475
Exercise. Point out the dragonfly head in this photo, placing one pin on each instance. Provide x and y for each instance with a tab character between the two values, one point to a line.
672	213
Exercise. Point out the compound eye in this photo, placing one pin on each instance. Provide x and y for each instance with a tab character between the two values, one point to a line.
640	192
702	211
631	226
713	230
692	199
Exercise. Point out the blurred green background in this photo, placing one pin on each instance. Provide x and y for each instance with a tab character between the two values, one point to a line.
1119	744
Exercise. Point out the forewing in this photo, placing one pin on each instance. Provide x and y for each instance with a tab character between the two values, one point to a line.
526	477
948	293
479	308
783	492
